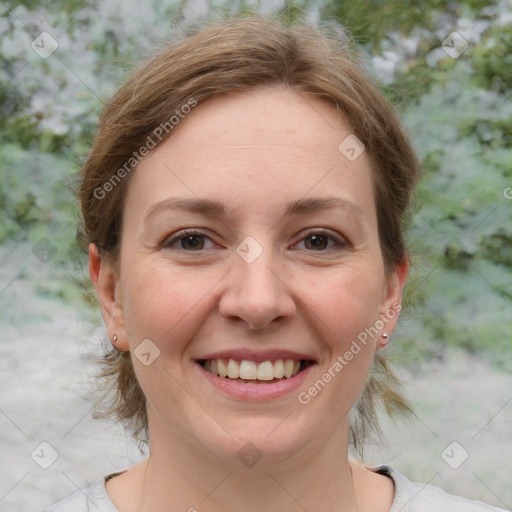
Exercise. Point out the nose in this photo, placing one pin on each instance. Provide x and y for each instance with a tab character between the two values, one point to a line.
257	294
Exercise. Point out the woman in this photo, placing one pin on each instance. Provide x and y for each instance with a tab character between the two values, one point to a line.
243	205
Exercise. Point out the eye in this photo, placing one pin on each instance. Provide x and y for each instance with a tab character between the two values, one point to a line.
188	240
191	240
319	240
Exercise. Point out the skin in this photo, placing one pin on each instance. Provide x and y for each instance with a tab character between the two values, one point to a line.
253	151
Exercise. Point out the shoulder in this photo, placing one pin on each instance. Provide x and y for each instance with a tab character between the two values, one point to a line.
93	497
420	497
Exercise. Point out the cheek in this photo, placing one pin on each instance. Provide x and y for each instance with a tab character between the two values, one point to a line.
167	307
345	304
163	304
344	311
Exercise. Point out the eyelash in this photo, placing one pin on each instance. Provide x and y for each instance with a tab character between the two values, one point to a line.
168	242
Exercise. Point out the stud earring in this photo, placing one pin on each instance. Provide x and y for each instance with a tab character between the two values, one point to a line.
385	338
114	341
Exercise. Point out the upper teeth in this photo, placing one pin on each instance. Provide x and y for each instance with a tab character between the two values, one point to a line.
251	370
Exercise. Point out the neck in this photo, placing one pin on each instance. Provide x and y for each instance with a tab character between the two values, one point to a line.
182	477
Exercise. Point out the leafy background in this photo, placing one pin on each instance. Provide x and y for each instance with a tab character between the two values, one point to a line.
457	110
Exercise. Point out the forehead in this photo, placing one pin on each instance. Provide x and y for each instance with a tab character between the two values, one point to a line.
258	148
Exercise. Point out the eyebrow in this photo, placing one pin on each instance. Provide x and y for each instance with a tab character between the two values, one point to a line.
217	209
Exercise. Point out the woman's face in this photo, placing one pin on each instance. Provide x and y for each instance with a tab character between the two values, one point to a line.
281	261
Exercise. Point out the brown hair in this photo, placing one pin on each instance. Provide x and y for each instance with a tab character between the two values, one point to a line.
231	55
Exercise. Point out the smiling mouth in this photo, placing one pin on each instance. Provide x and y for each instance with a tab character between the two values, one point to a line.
253	372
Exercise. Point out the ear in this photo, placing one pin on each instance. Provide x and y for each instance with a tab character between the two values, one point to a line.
106	282
391	304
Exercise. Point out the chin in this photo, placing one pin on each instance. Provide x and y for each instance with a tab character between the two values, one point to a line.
258	444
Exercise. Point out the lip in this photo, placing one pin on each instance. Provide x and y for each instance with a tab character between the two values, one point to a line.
258	356
256	392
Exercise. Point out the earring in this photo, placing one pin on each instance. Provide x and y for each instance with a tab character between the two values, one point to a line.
385	338
114	340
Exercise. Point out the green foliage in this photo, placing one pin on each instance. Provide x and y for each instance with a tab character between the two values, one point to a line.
492	60
463	223
458	112
372	21
65	6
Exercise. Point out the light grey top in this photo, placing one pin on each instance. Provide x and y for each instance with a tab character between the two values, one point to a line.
409	497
